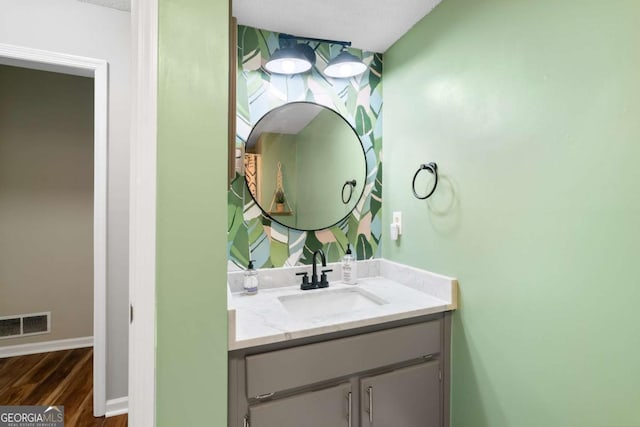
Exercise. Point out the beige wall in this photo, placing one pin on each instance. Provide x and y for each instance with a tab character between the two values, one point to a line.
77	28
46	200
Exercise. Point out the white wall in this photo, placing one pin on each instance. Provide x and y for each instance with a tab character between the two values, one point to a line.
73	27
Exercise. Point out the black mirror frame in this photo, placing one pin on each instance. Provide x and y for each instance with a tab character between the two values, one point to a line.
364	155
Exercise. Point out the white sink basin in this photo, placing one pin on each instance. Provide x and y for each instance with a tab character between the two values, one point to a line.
329	302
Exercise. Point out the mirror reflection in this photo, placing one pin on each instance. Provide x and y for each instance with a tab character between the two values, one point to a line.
305	166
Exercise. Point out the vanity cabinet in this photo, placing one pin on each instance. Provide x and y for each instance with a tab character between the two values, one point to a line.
407	397
327	407
387	375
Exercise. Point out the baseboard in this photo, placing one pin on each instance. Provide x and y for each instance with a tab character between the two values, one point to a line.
117	406
45	347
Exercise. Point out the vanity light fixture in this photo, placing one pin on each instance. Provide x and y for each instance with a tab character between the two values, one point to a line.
345	65
295	58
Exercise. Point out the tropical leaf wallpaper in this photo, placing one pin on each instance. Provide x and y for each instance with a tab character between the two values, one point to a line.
359	100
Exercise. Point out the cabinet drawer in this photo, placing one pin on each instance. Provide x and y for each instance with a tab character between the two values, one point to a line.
308	364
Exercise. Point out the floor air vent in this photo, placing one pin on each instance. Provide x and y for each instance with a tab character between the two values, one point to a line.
25	325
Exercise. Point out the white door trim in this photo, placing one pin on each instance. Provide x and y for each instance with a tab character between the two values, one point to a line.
142	220
98	69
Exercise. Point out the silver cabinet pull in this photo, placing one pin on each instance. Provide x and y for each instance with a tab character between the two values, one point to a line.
245	421
349	408
370	393
265	396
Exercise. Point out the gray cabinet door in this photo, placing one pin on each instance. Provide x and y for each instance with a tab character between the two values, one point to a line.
409	397
323	408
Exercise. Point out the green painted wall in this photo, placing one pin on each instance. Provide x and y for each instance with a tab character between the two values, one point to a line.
531	110
329	154
274	148
191	230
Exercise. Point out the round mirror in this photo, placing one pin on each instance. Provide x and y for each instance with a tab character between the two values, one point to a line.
305	166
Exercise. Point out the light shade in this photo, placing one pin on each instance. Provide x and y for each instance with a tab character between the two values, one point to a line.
291	60
345	65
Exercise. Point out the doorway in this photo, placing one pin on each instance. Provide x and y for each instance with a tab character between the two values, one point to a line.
96	70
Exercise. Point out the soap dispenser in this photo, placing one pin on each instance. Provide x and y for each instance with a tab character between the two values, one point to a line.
349	268
250	282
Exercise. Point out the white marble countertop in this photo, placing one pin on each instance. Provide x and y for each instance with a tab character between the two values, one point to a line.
402	292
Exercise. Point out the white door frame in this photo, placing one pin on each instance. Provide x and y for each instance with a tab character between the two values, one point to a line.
142	214
97	69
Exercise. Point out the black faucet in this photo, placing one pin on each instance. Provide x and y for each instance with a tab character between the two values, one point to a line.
323	282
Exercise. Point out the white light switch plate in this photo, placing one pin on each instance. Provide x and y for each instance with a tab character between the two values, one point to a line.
397	219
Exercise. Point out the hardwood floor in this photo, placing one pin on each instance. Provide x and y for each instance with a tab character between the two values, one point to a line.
59	378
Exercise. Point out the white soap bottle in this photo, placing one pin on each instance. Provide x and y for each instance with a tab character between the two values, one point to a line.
250	282
349	268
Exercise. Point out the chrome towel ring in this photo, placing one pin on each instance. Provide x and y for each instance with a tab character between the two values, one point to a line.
431	167
351	184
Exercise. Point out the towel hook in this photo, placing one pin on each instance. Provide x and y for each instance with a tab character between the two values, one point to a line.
351	184
431	167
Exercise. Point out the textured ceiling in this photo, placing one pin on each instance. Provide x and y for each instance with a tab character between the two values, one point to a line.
114	4
372	25
289	119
